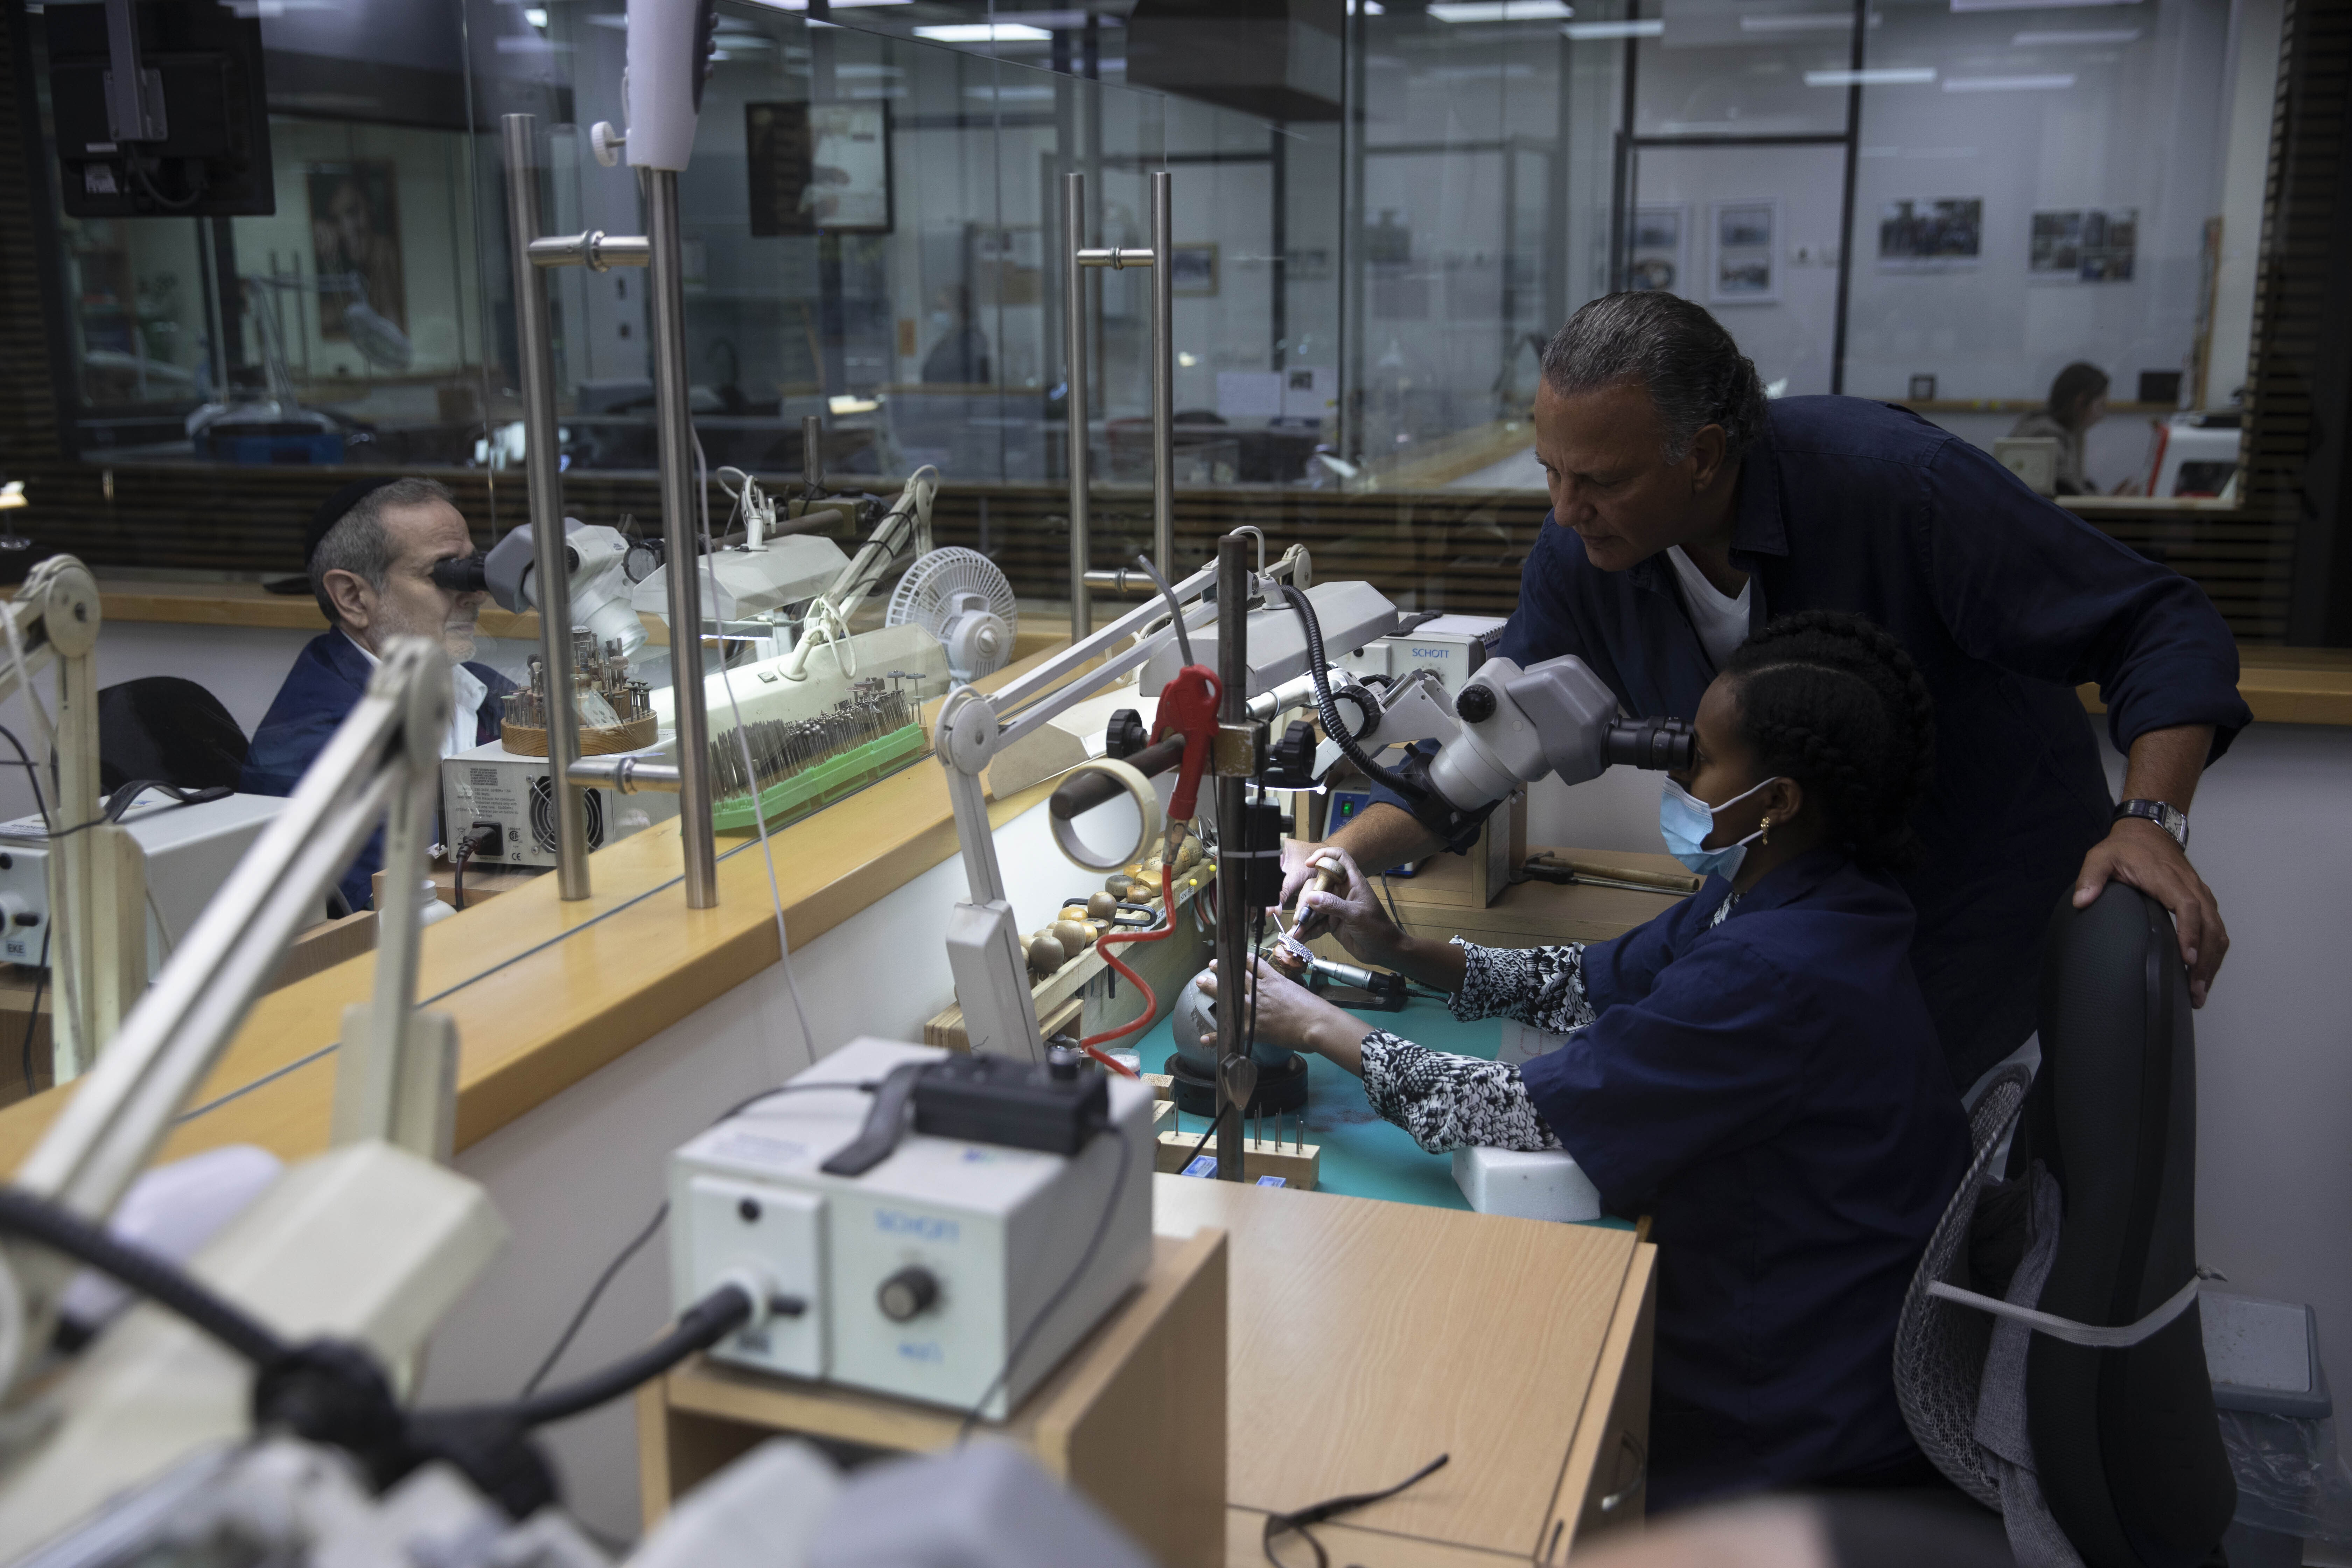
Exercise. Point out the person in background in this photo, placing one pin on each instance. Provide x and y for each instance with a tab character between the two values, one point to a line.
1754	1068
370	550
960	357
2078	400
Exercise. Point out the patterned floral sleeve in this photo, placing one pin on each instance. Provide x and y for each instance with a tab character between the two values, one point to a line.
1543	986
1450	1102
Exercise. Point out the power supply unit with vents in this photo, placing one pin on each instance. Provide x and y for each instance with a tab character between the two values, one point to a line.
492	785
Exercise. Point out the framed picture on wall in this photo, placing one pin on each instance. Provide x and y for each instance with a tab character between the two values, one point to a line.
2055	251
819	168
1743	234
355	235
1940	233
1192	269
1659	256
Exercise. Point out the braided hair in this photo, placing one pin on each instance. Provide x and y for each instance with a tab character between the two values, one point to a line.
1832	701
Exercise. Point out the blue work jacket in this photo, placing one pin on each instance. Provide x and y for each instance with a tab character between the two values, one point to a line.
1770	1092
329	677
2004	599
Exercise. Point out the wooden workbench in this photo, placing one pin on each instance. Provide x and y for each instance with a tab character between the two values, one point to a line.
1368	1338
1361	1339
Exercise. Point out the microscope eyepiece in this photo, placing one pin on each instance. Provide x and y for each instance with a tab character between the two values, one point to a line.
1657	744
464	574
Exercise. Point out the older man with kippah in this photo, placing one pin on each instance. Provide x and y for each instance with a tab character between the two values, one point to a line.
1688	509
371	552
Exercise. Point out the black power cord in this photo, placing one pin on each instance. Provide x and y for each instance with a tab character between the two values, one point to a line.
333	1392
466	849
636	1245
1061	1292
1284	1523
588	1304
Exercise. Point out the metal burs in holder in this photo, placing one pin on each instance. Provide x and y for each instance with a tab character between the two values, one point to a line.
1078	259
1232	946
675	433
543	480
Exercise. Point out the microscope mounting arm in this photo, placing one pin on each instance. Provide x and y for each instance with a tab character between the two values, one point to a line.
908	518
983	941
395	1076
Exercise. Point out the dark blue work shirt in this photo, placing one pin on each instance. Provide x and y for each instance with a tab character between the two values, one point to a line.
1770	1092
2004	599
329	677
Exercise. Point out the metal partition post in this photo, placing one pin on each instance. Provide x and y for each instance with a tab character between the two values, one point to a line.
543	480
1232	868
1163	374
679	493
1074	348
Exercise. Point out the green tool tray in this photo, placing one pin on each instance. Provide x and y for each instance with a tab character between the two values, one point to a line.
823	783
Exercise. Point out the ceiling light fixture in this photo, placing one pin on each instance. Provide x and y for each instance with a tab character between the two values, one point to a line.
1883	76
1500	10
2009	83
983	33
2076	35
1584	32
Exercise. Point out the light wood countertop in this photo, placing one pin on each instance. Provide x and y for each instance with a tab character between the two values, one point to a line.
1368	1338
536	1014
2282	685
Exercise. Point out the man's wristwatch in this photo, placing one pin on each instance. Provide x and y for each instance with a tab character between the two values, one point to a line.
2171	818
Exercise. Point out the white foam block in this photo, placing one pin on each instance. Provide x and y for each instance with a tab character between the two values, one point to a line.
1541	1185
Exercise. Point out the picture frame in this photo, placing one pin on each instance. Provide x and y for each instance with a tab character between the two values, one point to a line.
355	233
819	168
1192	269
1658	253
1743	239
1931	234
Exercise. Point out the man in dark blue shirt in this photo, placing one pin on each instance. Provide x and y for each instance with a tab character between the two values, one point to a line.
1687	509
370	550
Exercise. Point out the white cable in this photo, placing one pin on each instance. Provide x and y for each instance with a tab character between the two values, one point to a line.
750	774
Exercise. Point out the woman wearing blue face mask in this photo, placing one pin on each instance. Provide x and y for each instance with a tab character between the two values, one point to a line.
1755	1068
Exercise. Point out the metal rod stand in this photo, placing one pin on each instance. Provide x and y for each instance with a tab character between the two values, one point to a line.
1232	868
679	493
1073	344
1163	374
544	481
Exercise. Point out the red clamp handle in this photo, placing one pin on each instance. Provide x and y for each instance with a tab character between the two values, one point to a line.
1187	705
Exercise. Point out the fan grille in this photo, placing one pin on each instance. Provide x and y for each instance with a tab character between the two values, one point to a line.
542	815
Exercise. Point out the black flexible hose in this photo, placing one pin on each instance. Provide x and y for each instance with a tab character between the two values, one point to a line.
1175	610
39	1219
1329	710
699	1326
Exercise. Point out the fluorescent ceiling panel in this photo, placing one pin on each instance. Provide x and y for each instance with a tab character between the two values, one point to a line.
2051	83
983	33
1800	22
1582	31
1884	75
1500	10
2076	35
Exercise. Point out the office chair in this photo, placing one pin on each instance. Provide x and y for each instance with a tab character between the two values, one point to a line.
168	731
2126	1452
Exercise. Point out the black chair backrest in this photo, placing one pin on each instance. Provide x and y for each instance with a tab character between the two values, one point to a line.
171	731
2126	1443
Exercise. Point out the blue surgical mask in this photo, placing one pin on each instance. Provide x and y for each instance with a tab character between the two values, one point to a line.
1686	821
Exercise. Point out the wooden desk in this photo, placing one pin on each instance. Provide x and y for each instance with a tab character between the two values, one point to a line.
1443	900
1367	1338
1124	1419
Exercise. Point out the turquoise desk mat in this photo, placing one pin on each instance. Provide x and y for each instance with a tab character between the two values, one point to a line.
1363	1156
